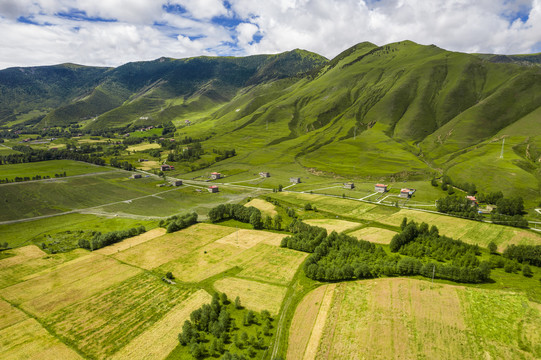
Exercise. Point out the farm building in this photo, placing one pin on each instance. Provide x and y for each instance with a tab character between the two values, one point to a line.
349	186
136	176
380	188
176	182
213	189
264	174
166	167
472	200
295	180
406	193
215	175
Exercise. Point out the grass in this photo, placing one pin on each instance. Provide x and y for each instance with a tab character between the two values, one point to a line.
415	319
333	224
373	234
254	295
266	207
107	321
162	338
50	168
63	232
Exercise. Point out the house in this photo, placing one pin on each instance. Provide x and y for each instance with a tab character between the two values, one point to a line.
295	180
472	200
213	188
380	188
136	176
215	175
349	186
406	193
165	167
264	174
176	182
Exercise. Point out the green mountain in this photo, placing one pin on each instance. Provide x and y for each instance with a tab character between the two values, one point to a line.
401	110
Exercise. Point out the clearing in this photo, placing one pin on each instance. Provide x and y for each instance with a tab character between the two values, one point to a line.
373	234
333	224
266	207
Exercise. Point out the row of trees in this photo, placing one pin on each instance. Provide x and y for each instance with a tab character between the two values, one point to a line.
28	178
33	155
524	254
459	206
515	220
245	214
338	257
178	222
101	240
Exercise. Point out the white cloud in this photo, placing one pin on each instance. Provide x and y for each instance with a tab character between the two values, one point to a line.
323	26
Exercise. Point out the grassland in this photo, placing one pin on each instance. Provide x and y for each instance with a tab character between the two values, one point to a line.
266	207
333	224
50	168
375	235
411	319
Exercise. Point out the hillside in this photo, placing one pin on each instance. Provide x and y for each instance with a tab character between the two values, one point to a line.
398	111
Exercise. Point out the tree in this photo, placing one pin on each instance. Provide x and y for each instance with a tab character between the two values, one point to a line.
255	220
169	275
492	247
433	182
308	207
267	223
237	303
404	223
277	222
526	271
223	298
451	190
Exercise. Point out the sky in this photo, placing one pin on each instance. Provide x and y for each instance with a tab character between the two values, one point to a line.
114	32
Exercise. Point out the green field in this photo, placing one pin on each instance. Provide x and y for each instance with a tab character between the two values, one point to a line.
50	168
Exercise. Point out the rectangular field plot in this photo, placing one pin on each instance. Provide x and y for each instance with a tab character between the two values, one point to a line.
253	295
412	319
163	249
21	255
333	224
245	239
160	339
10	315
21	271
133	241
266	207
67	284
104	323
373	234
29	340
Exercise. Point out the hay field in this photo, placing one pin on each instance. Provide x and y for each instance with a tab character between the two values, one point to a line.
141	147
245	239
333	224
29	340
130	242
107	321
373	234
266	207
253	295
161	250
68	284
21	255
159	340
10	315
412	319
22	271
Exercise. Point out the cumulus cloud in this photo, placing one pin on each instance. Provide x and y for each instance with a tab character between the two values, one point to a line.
112	32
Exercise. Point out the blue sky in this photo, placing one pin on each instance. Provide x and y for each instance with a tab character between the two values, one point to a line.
113	32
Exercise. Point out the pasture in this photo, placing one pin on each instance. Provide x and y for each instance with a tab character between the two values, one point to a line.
266	207
411	319
373	234
49	168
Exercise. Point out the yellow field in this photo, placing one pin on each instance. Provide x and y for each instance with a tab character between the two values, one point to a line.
412	319
10	315
253	295
375	235
254	251
29	340
333	224
159	340
22	255
266	207
163	249
141	147
130	242
18	272
67	284
104	323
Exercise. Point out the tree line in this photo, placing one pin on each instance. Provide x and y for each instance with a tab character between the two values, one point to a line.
530	254
29	154
100	240
337	257
178	222
245	214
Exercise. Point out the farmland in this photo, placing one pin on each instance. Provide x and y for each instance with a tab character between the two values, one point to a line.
407	318
50	168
